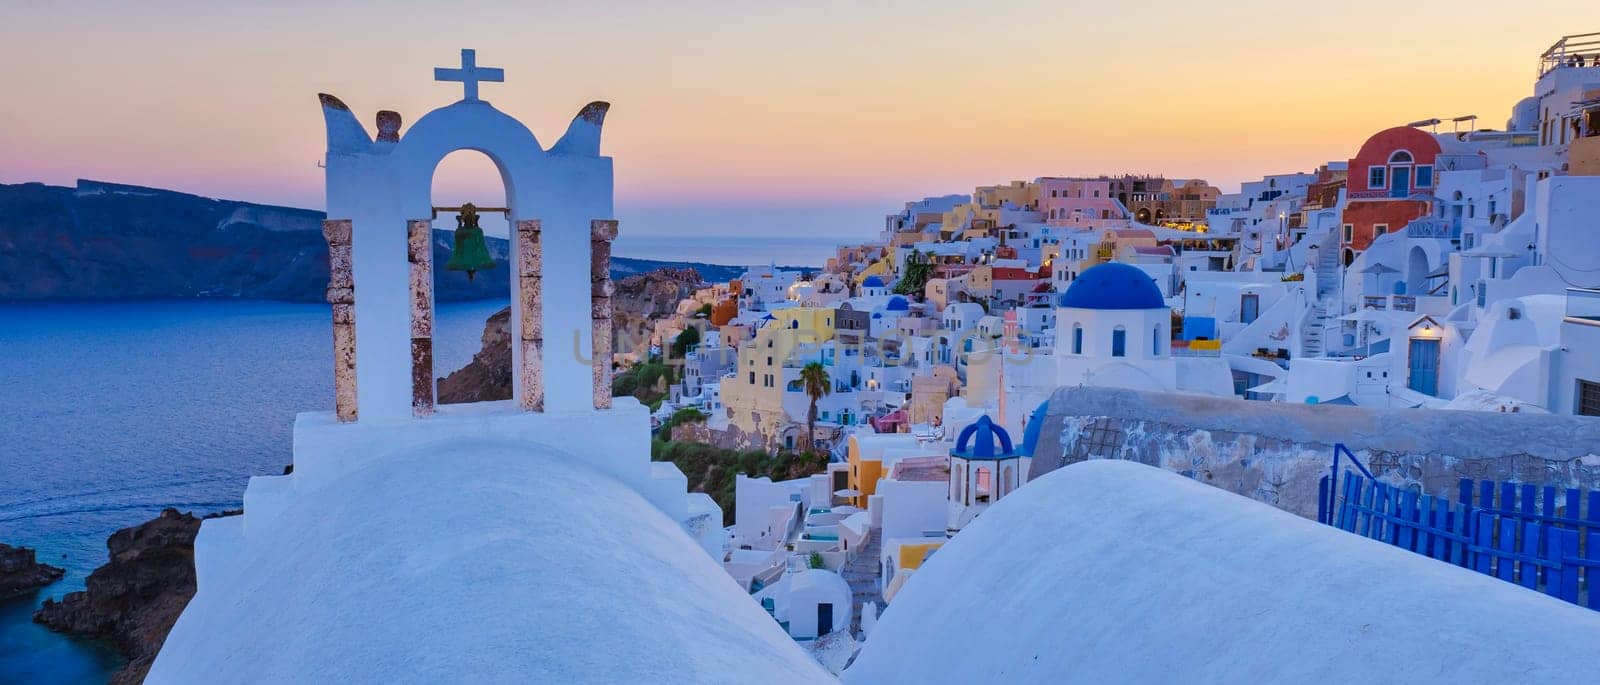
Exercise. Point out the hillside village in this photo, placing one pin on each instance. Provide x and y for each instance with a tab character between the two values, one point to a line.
1442	265
973	390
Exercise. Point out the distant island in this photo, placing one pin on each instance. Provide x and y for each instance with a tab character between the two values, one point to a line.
107	240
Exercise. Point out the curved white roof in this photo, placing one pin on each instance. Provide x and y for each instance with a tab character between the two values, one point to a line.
486	563
1112	571
819	581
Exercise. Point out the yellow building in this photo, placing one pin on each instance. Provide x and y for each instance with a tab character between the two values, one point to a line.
810	325
883	268
912	554
1019	193
864	472
753	396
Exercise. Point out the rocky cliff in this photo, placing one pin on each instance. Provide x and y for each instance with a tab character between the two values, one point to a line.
639	301
106	240
21	573
134	599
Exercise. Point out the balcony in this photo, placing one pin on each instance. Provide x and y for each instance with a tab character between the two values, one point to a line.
1433	228
1583	306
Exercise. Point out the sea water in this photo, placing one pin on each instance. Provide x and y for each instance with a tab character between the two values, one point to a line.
111	411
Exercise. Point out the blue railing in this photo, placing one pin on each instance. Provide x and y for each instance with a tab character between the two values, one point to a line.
1538	540
1327	488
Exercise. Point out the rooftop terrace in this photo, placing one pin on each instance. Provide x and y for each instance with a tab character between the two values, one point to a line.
1578	50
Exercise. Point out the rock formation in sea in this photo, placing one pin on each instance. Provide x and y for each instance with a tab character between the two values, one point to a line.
133	600
639	301
21	573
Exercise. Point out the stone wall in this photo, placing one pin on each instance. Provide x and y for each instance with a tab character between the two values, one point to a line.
1276	452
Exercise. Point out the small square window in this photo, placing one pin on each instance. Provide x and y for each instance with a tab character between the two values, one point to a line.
1377	177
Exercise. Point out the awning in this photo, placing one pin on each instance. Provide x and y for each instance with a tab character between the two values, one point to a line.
1379	269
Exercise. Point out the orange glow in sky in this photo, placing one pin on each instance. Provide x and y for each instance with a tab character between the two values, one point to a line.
753	105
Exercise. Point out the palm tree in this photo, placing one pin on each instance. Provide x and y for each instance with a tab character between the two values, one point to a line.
817	386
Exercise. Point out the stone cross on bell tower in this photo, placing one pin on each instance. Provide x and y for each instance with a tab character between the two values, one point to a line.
469	74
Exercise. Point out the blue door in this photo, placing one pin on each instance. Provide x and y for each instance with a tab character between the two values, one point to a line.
1399	181
1424	376
1249	308
824	619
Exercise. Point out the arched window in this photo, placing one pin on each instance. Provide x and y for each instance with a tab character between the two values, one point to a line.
1119	342
1155	341
1400	157
982	489
1077	338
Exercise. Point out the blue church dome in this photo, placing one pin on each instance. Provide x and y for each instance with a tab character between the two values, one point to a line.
898	303
984	440
1113	285
872	282
1030	433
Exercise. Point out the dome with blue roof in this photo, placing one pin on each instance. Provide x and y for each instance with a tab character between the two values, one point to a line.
1113	285
872	282
984	440
1030	433
898	303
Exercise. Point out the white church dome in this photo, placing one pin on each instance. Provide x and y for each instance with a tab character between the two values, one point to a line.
475	564
1112	571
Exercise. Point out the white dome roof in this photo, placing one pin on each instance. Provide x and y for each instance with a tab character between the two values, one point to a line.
1112	571
819	581
485	563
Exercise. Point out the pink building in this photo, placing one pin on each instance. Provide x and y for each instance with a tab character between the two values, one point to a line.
1079	203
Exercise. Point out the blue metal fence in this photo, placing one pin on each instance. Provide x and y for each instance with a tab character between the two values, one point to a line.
1537	540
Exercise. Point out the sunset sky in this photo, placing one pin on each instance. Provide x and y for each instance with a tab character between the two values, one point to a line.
829	114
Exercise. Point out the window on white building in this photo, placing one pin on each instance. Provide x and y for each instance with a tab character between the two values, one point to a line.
1119	342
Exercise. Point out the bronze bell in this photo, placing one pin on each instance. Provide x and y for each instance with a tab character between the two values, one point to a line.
471	253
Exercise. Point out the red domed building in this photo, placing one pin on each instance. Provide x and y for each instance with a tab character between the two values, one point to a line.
1390	180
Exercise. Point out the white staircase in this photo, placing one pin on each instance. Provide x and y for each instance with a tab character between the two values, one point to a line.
1312	330
1327	286
1328	270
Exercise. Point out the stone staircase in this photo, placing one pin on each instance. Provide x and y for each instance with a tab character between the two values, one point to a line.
861	572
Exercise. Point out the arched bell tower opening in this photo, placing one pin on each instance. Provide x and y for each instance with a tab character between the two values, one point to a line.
462	179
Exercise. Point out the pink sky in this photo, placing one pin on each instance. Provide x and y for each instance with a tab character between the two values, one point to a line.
734	105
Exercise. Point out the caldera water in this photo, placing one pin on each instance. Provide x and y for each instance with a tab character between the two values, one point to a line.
111	411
